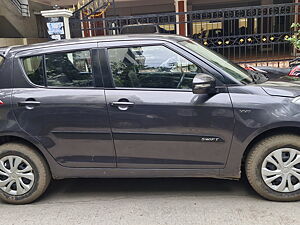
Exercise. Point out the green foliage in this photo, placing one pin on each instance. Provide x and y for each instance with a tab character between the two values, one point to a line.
295	39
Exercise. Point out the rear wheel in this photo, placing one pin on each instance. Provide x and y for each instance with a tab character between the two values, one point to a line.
273	168
24	174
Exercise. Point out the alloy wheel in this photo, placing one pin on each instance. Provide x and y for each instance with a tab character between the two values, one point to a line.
281	170
16	175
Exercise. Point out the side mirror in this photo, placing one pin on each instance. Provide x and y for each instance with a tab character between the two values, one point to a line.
204	84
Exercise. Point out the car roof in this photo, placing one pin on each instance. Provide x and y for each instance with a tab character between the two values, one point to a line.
167	37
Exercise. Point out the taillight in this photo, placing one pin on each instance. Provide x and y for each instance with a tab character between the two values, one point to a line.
249	68
1	103
295	72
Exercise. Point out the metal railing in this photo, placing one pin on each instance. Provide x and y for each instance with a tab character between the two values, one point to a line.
243	34
22	8
92	8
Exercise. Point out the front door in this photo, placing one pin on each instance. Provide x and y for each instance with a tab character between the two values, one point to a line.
63	106
156	120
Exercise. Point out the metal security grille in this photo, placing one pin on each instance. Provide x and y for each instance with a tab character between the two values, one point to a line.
244	34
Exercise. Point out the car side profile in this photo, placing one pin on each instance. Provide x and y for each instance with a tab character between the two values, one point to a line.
142	106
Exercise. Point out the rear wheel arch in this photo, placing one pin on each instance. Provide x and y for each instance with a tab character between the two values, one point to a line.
21	140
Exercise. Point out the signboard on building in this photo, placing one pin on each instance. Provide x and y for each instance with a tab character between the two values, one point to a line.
56	29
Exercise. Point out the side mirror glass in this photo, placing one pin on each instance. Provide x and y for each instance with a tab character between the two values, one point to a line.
204	84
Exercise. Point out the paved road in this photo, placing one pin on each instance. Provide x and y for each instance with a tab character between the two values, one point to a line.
151	201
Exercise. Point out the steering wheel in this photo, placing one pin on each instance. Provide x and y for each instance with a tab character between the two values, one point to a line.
181	80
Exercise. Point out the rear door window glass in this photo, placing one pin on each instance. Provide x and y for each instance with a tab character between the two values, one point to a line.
72	69
65	69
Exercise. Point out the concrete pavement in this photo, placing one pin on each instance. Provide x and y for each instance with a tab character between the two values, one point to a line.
151	201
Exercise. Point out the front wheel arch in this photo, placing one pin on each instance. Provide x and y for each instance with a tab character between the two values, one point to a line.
267	172
264	135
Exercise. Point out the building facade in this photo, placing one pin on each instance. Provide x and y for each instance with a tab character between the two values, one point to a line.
244	31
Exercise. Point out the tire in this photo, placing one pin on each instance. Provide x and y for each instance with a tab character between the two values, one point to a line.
30	164
259	163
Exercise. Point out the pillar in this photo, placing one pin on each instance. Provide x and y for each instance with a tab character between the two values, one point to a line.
54	20
181	19
297	16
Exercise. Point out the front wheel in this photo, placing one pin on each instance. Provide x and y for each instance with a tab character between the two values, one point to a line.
24	174
273	168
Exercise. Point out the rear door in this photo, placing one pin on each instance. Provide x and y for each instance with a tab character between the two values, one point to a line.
59	99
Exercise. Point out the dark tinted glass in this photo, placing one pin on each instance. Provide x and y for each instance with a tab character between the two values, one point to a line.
33	67
73	69
151	67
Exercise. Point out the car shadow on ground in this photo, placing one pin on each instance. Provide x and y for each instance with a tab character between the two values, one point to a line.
106	188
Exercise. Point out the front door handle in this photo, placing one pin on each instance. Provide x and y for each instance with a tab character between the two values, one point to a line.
123	106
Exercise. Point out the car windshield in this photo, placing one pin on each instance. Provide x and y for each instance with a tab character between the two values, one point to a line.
231	68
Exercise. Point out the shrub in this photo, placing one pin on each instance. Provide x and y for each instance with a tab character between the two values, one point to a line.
295	39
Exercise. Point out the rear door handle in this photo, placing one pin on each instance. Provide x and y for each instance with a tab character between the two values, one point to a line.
29	104
25	103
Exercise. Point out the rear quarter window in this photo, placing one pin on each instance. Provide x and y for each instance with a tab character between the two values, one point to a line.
33	67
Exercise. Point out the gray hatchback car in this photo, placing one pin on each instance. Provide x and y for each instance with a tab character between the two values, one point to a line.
142	106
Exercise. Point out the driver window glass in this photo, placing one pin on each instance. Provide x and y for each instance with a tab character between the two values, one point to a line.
151	67
72	69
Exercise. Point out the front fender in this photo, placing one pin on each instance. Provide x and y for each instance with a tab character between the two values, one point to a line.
256	113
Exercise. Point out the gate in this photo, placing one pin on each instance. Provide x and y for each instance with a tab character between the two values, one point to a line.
253	34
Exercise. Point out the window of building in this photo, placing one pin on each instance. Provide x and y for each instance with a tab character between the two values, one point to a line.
151	67
208	29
